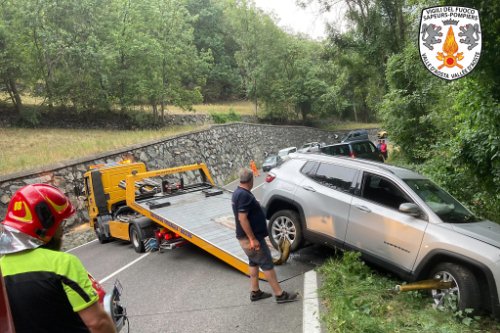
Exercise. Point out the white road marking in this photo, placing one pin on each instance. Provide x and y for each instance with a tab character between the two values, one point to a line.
256	187
230	184
71	250
124	267
310	321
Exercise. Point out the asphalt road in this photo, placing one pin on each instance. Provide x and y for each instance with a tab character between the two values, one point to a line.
189	290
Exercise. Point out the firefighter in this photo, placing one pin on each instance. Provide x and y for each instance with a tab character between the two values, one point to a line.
48	290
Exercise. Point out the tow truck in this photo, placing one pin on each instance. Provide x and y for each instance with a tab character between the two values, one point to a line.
163	209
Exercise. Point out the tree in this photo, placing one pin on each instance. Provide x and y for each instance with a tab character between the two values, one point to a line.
378	30
212	33
297	79
157	62
13	54
450	129
246	26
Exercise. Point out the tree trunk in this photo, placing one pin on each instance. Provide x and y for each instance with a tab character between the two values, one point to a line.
305	109
10	83
255	95
162	104
122	81
355	112
46	72
155	110
123	65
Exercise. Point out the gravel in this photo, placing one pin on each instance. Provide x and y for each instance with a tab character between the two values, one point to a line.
77	236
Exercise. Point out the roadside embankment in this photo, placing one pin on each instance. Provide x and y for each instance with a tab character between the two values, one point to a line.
224	148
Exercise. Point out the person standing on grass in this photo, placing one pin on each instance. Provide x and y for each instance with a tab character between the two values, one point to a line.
48	290
251	231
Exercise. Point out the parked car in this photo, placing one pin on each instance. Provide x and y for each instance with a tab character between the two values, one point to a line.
283	153
271	162
396	218
356	135
355	149
309	147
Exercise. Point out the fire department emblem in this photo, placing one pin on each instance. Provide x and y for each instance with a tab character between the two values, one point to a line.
450	40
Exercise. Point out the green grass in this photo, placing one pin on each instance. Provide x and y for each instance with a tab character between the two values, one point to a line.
240	107
22	149
358	300
243	108
348	126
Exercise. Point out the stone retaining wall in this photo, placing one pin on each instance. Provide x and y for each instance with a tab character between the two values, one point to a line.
224	148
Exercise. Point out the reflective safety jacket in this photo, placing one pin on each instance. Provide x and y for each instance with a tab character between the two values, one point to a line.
46	289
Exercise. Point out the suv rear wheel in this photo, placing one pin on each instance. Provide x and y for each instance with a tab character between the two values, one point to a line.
466	293
285	224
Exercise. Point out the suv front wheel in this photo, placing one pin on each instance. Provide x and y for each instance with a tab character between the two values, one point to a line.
465	293
285	224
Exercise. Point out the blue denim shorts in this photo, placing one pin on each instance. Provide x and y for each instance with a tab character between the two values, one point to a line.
261	258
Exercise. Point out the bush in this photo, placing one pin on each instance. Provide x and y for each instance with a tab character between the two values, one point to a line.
360	301
222	118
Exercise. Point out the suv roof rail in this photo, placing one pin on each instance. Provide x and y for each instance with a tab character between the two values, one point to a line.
382	166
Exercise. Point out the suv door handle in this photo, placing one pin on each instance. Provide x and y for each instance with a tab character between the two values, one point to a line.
363	208
308	188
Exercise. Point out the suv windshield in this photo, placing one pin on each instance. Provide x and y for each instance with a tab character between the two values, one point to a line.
441	203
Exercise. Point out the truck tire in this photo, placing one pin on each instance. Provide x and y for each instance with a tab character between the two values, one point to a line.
136	238
99	232
285	223
466	290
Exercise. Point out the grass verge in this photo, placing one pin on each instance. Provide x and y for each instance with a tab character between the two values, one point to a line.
239	107
360	301
23	149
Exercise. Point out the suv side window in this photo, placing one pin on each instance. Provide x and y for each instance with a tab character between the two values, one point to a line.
309	168
383	191
336	177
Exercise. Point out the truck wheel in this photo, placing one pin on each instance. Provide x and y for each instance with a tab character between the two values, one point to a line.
285	223
100	234
136	239
466	293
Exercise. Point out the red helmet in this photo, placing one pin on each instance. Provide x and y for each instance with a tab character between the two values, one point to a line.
38	210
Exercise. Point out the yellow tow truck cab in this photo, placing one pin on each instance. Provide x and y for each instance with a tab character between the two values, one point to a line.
102	187
106	200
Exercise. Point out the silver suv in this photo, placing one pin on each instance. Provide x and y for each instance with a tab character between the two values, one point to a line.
396	218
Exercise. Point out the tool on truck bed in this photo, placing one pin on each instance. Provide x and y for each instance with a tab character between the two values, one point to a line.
164	209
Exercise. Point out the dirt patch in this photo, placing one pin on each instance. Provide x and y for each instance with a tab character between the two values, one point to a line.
77	236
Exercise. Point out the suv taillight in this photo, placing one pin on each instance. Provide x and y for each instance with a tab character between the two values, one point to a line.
270	177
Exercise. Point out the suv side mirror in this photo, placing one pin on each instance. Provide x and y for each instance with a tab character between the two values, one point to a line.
410	209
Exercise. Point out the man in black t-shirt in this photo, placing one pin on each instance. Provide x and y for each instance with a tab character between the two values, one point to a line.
251	231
